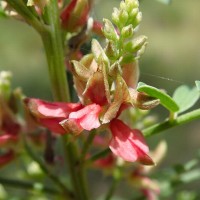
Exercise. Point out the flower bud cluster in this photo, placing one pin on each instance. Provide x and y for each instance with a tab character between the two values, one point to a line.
122	45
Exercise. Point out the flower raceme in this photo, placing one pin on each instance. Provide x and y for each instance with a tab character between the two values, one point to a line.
74	118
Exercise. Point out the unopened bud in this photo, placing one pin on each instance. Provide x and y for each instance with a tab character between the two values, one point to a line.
141	51
123	18
131	4
136	44
127	31
133	13
115	16
137	20
109	31
122	5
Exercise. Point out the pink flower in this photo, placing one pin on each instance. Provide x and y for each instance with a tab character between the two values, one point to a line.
64	117
129	144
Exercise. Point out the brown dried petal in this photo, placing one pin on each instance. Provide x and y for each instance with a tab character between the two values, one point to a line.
81	71
71	126
142	100
121	95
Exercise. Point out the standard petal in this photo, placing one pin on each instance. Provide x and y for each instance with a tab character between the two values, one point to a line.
87	117
128	144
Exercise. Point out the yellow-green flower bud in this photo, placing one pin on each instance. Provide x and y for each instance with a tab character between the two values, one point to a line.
123	5
137	19
109	31
115	16
131	4
123	18
135	45
127	31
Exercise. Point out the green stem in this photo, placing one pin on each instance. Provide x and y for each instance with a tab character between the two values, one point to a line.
54	48
183	119
27	185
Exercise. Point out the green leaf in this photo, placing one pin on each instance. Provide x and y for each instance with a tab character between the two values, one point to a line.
185	97
164	98
190	176
198	85
165	1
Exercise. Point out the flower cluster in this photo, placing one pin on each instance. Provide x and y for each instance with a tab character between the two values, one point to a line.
105	82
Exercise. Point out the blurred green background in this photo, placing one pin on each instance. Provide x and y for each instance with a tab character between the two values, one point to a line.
172	58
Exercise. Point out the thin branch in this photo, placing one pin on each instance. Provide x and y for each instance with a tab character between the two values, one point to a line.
183	119
27	185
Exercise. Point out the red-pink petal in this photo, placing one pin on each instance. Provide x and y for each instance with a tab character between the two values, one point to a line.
53	125
87	117
65	15
129	144
75	15
45	109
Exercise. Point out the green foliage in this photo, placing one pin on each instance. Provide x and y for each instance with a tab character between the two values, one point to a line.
198	85
164	98
185	97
